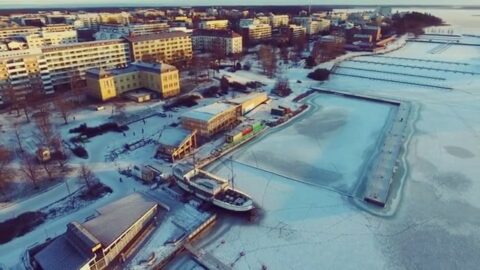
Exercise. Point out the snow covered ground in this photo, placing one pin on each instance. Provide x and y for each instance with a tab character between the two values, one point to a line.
436	225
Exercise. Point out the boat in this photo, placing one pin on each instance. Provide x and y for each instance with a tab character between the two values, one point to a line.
214	189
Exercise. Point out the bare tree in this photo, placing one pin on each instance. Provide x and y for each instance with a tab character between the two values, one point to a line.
64	106
30	169
236	58
50	170
86	175
16	131
44	126
282	87
6	171
268	60
218	50
62	157
76	86
284	53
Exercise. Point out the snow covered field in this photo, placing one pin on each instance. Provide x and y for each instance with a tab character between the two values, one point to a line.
437	224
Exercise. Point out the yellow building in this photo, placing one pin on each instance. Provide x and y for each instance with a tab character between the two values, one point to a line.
176	143
211	119
249	102
170	47
160	78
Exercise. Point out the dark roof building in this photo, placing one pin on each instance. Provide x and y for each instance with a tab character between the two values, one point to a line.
97	242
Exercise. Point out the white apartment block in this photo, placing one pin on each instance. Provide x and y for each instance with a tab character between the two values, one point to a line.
65	60
312	26
297	30
279	20
206	40
113	31
11	32
257	32
213	24
51	38
87	20
23	71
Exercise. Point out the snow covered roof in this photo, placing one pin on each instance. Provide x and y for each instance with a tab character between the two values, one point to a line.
173	136
60	254
242	99
73	249
208	112
115	218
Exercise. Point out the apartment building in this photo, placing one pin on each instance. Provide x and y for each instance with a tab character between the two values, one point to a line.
294	31
257	32
161	78
47	38
11	32
279	20
170	47
87	20
55	28
23	71
114	31
206	40
313	26
67	60
213	24
118	18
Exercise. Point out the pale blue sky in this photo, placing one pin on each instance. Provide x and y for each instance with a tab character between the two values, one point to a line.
63	3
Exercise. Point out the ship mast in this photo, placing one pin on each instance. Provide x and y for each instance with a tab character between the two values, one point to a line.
231	171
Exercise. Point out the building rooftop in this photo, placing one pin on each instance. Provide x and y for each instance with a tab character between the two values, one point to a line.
115	218
215	33
133	67
208	112
173	136
155	36
82	45
242	99
60	254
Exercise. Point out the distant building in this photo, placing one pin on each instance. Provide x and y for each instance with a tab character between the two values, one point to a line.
384	11
170	47
294	31
66	60
158	77
213	24
312	26
11	32
23	72
176	143
374	31
114	31
98	242
279	20
206	40
255	33
211	119
88	20
49	38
